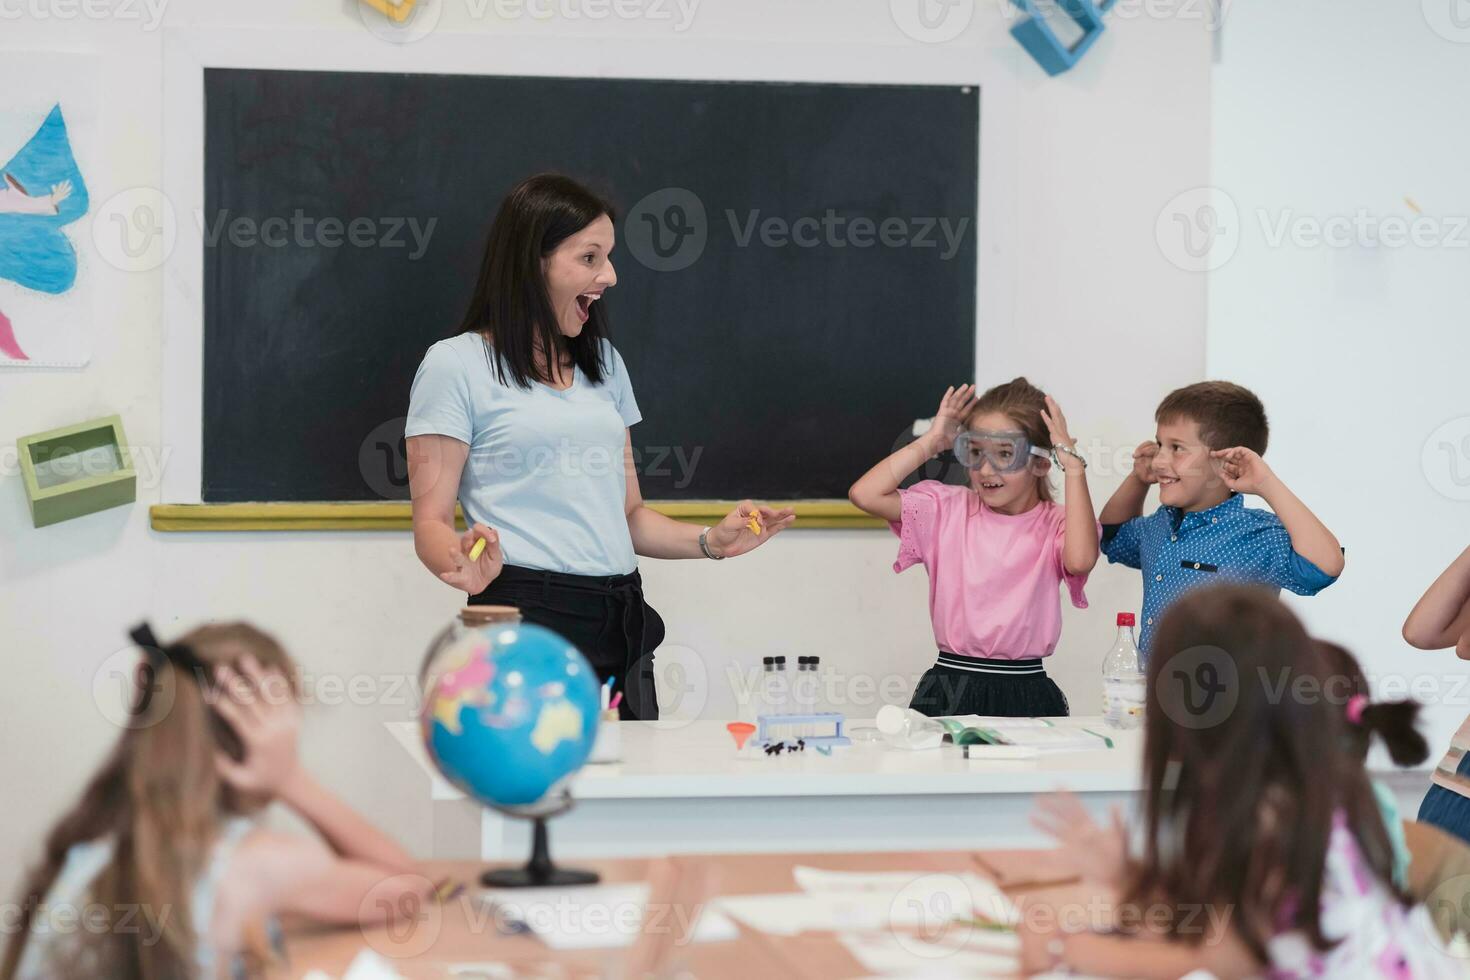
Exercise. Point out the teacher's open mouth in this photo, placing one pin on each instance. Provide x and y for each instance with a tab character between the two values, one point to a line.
584	304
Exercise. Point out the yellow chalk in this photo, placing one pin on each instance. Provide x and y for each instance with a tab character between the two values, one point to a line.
396	10
754	523
1412	204
477	550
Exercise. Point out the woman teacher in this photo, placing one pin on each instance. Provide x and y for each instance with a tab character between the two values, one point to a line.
522	417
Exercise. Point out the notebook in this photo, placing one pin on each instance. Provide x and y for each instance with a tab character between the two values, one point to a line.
1025	733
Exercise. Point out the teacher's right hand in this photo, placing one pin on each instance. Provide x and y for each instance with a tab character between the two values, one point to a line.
475	576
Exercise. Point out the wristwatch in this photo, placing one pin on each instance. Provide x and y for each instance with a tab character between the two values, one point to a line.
1070	452
704	546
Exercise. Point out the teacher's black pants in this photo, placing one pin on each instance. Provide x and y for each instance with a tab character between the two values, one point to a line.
603	616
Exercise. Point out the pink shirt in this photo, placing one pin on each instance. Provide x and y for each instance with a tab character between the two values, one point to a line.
993	577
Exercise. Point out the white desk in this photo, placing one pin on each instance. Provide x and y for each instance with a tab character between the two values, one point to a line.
685	791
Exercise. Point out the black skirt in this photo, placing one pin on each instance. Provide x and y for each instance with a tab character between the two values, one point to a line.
605	617
958	685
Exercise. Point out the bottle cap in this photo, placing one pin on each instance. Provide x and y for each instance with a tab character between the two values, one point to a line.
475	616
816	661
781	660
1125	619
803	660
768	661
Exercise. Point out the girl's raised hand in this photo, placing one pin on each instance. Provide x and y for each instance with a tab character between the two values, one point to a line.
953	407
1098	854
1056	424
261	707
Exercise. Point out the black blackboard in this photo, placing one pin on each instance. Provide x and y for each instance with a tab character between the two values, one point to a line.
789	357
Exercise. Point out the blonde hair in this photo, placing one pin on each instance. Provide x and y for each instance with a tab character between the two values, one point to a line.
159	799
1021	402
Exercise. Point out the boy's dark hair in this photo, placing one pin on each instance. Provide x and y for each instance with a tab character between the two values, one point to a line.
1245	771
1392	721
1228	414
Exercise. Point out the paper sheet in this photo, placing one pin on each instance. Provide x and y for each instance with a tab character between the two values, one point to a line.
368	965
598	917
841	901
1000	753
810	879
951	954
990	721
936	891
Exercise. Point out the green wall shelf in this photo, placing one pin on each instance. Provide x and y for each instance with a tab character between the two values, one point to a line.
76	471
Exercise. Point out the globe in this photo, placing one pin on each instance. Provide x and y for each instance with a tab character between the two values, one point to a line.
510	715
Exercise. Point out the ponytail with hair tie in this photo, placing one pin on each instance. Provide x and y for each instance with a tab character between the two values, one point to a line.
1395	722
1355	707
1392	721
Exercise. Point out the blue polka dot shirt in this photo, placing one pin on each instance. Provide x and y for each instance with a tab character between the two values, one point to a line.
1230	542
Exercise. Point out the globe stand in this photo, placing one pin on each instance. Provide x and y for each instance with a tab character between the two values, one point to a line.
539	871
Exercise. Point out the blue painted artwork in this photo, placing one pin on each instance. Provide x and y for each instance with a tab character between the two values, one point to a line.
41	192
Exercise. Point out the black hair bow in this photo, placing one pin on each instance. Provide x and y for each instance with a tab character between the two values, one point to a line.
178	654
185	661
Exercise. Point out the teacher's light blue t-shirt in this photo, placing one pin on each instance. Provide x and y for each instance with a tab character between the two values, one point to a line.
545	467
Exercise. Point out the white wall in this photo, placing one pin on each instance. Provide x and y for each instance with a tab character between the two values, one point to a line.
1359	349
1074	292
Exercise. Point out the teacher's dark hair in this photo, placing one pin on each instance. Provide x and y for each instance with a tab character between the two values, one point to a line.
510	307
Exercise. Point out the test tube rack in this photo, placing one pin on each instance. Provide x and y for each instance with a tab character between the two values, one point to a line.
781	728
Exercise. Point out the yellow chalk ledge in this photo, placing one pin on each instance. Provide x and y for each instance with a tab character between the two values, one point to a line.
397	516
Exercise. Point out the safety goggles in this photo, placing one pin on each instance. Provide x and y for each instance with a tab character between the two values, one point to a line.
1008	451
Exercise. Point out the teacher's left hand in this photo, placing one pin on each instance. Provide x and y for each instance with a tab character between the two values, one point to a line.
733	535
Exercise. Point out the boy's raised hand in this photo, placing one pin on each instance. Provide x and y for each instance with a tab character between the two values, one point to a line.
1143	462
953	407
1243	470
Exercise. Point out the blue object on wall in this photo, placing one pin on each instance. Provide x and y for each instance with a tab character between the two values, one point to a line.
1042	43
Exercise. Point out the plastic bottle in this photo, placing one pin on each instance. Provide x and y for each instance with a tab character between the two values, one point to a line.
1123	681
908	729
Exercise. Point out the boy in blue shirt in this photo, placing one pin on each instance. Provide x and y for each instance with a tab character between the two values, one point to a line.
1205	457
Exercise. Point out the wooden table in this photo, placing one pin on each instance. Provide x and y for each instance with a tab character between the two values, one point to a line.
459	932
